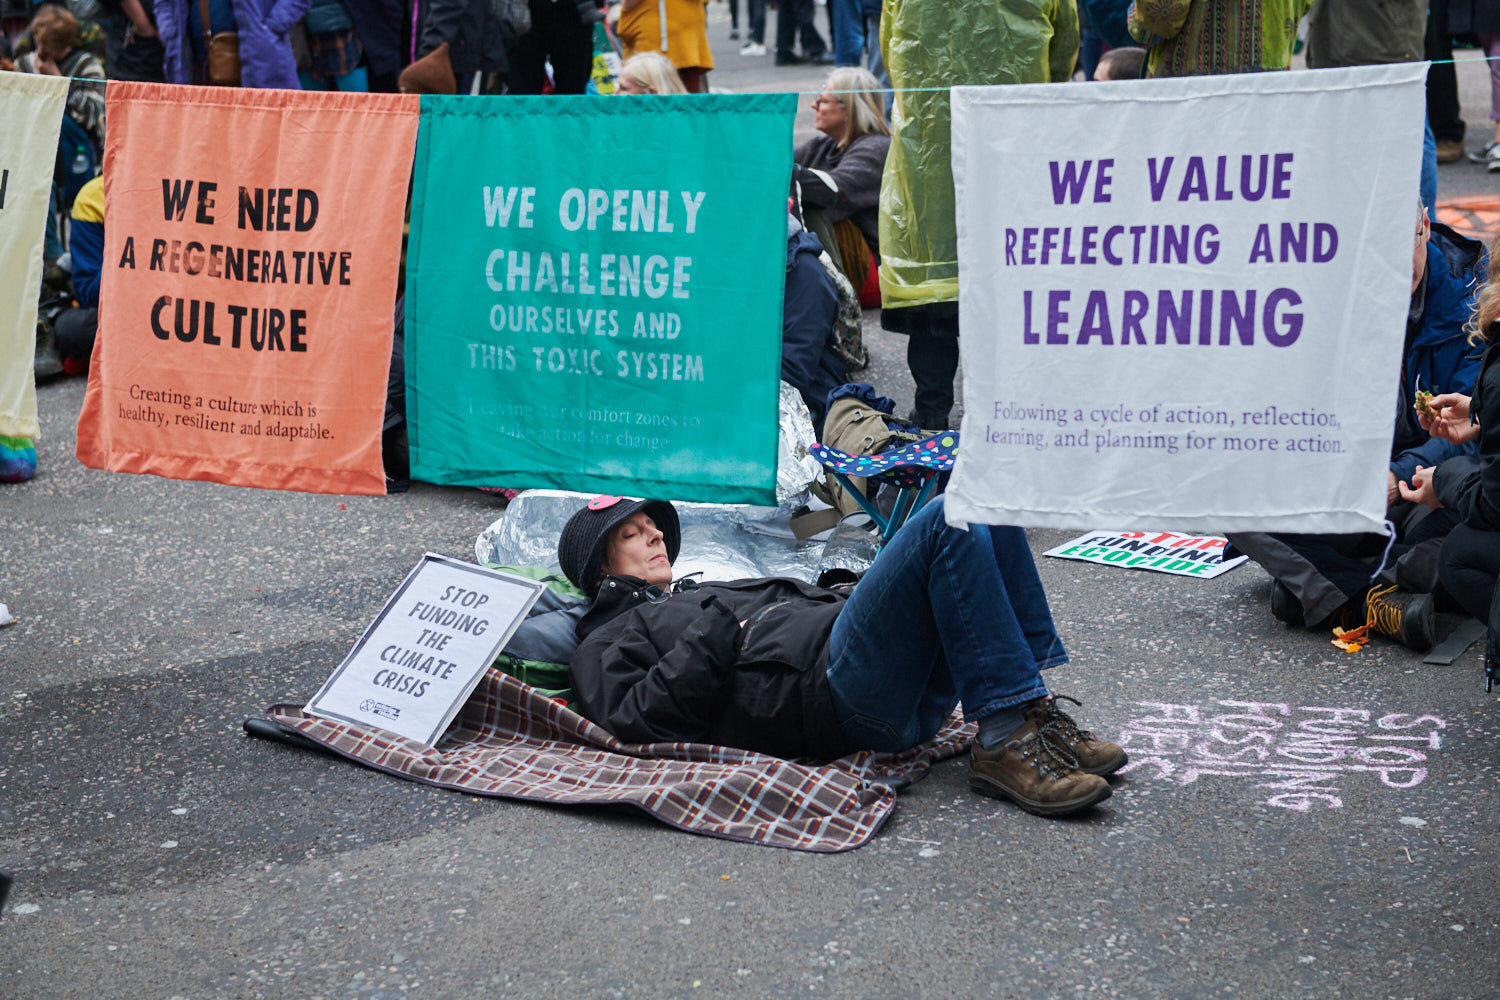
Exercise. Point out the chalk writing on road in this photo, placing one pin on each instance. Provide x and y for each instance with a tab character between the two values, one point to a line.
1298	754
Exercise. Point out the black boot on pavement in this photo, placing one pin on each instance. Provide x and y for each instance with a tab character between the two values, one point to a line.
1408	618
1285	607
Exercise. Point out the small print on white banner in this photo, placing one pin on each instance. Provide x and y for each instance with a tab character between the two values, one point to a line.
1182	302
1159	551
421	657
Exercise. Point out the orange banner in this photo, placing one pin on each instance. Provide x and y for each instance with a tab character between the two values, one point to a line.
251	248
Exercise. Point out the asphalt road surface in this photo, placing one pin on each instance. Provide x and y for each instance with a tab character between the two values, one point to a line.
160	853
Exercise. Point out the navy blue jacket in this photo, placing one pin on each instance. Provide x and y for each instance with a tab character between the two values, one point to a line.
808	361
379	23
1438	353
1107	20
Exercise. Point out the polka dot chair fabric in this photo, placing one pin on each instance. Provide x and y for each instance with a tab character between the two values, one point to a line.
906	467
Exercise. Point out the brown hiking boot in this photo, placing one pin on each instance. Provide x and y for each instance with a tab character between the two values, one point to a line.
1036	773
1095	756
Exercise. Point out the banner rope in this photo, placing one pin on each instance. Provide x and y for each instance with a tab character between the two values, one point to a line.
901	90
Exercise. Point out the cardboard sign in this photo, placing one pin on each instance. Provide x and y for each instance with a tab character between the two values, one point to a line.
416	664
608	326
1160	551
1182	300
249	285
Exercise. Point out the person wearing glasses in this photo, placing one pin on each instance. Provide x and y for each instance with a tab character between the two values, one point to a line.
1322	580
782	667
839	170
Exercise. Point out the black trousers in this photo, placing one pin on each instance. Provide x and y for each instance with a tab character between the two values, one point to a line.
934	363
1327	571
796	16
1468	567
1442	82
75	329
556	31
931	354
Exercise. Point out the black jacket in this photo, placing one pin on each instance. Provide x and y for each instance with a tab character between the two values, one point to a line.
655	667
1470	486
473	31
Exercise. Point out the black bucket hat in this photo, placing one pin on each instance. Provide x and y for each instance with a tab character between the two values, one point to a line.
580	549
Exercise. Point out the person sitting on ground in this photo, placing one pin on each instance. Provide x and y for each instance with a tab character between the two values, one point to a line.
648	73
782	667
56	51
1320	580
1468	487
1120	64
55	33
839	171
75	328
810	362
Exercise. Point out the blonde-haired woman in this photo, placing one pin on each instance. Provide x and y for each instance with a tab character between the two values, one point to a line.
839	171
649	73
1469	486
678	29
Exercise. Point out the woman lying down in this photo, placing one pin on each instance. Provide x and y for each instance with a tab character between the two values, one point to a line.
786	668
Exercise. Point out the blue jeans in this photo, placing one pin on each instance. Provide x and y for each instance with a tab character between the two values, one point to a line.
854	33
943	615
848	31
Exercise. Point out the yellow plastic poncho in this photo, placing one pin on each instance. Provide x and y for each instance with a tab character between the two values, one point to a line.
939	44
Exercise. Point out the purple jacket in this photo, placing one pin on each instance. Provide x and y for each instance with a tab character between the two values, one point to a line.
265	51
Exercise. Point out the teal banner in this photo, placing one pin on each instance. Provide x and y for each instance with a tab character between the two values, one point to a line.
594	293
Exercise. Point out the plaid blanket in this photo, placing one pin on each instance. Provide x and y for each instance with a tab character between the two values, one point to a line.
511	741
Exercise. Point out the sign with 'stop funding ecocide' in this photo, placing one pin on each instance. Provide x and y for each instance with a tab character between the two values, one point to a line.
604	324
416	664
1160	551
1182	301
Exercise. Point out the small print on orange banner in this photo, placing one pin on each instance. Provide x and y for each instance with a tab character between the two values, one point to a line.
251	249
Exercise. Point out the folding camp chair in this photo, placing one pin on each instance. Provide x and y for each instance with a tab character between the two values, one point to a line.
913	470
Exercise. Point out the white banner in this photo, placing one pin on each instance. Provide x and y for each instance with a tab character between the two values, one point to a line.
1184	300
31	109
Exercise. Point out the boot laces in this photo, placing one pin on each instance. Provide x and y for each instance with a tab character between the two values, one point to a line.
1064	725
1383	614
1051	754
